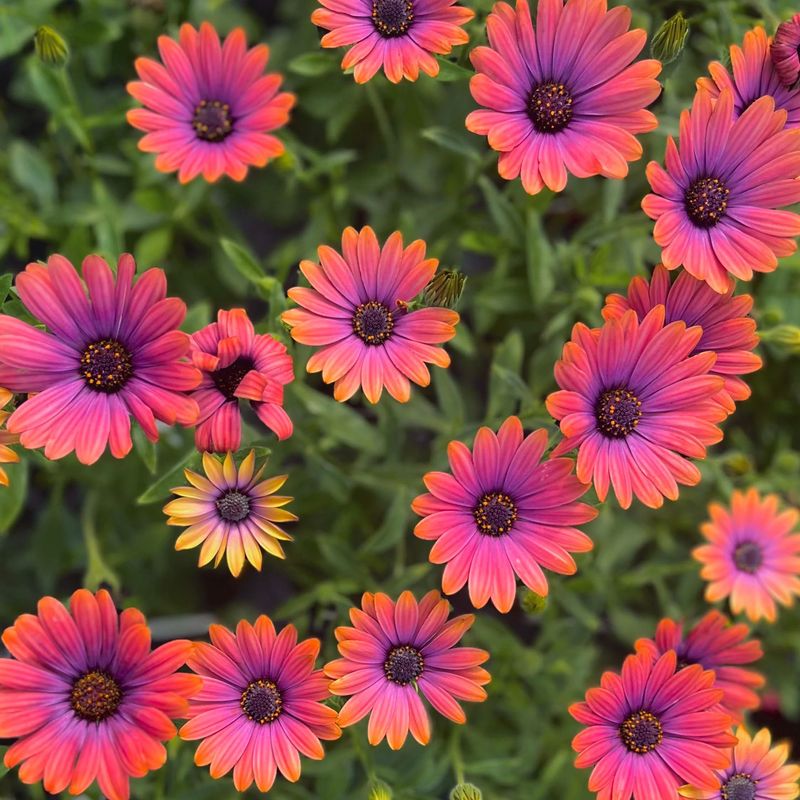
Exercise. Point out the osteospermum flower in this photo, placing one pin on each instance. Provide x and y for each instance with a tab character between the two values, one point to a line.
104	358
717	645
7	455
86	699
728	330
401	36
259	708
357	310
758	772
717	204
503	512
237	364
754	76
785	51
396	651
231	512
637	406
753	555
209	109
565	96
651	730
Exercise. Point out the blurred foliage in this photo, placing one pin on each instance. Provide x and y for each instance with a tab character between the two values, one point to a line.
72	181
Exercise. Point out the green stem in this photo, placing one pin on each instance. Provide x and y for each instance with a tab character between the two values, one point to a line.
456	757
363	756
382	118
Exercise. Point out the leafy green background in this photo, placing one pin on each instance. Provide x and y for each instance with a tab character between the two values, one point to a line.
72	181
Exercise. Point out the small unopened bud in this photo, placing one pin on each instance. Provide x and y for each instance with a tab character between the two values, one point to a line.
532	603
444	289
466	791
50	46
669	40
380	791
786	337
737	464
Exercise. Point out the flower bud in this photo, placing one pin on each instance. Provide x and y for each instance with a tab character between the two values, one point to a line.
50	46
785	337
669	40
380	791
444	289
466	791
532	603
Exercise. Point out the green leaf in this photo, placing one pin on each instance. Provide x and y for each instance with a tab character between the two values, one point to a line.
160	488
145	449
12	497
198	316
505	385
313	64
153	247
98	571
243	260
5	286
449	140
539	259
450	71
393	527
31	171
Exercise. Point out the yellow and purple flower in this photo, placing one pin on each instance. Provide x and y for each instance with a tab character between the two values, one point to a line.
231	512
86	699
502	513
637	405
397	651
785	51
238	364
7	455
357	312
259	708
652	729
209	109
758	771
402	36
565	96
753	555
715	644
718	205
105	357
728	330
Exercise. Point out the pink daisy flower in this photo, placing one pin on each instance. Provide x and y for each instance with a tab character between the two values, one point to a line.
754	76
563	96
717	204
396	651
758	771
260	704
210	108
357	311
502	513
717	645
728	330
785	51
651	730
86	699
637	405
104	358
238	364
401	36
753	555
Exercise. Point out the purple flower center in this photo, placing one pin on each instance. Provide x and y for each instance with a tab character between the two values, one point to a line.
212	120
706	202
373	322
403	665
392	17
495	514
618	412
261	701
748	557
95	696
740	787
550	107
641	732
233	506
228	378
106	366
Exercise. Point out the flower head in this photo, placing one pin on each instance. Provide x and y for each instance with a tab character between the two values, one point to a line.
50	46
753	555
717	645
728	330
86	699
394	652
357	311
652	729
637	405
209	109
401	36
563	96
754	76
785	51
7	455
717	204
259	707
758	771
231	512
104	358
503	512
238	364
